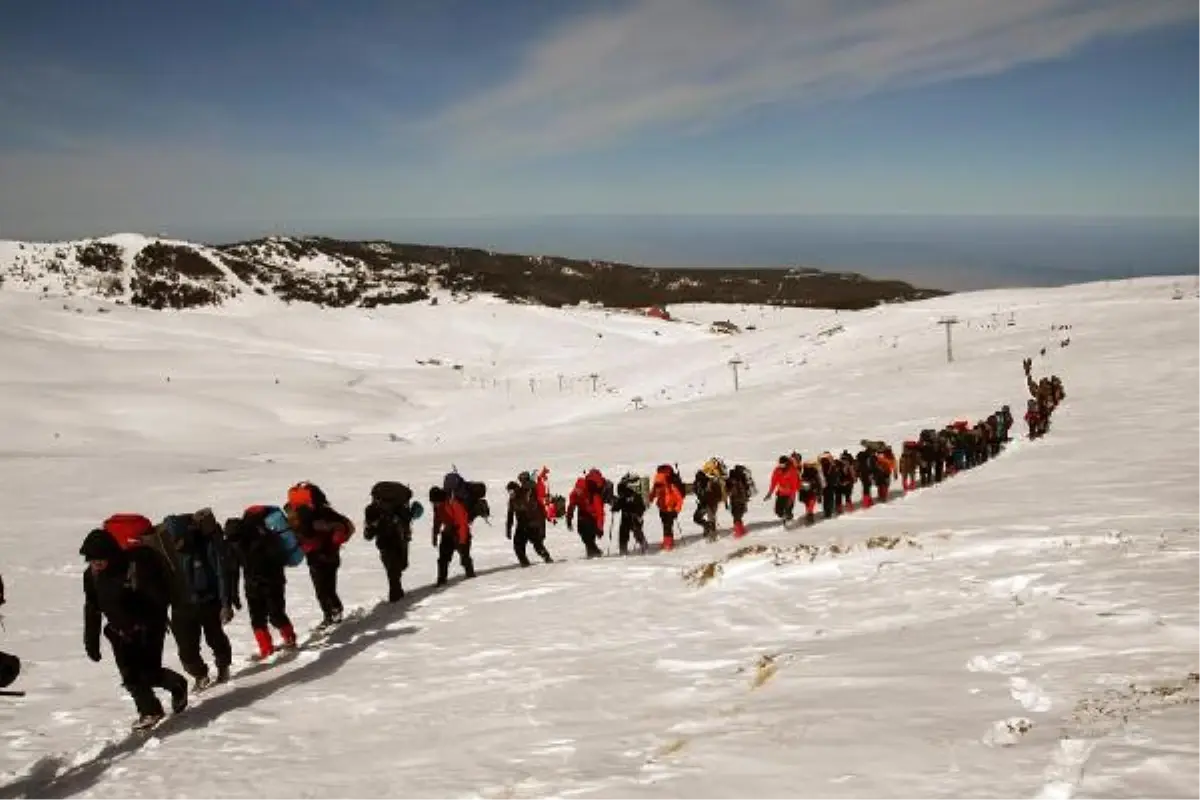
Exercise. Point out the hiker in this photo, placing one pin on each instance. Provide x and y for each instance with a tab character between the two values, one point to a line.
258	556
709	487
830	479
910	464
630	503
129	591
1005	418
864	466
201	605
667	493
451	533
847	479
739	487
528	514
322	532
785	485
812	486
388	522
885	470
588	499
1033	419
10	665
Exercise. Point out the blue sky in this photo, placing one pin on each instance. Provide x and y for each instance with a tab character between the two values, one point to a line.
149	115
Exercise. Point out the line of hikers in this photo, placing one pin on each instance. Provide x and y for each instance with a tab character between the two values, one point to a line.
182	574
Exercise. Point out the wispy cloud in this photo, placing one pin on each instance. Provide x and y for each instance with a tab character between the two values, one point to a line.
685	63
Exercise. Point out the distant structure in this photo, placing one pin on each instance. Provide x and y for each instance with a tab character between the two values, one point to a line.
735	363
658	312
949	322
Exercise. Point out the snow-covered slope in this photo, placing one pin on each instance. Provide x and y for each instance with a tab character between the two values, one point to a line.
160	273
1032	633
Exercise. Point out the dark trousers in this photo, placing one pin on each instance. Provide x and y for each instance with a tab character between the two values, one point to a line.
631	525
323	569
448	545
668	523
785	506
846	493
939	467
589	530
829	500
529	535
188	625
139	660
866	487
394	557
266	602
737	509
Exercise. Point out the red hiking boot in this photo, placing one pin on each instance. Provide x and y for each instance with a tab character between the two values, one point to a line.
289	635
265	646
668	543
739	530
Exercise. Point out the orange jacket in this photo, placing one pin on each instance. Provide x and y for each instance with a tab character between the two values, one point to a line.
785	481
588	497
666	495
451	517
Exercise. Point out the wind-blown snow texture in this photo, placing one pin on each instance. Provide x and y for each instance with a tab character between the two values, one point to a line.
1037	637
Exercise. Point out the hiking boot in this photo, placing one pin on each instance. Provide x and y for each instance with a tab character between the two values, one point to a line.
288	633
265	646
147	721
223	674
179	699
201	683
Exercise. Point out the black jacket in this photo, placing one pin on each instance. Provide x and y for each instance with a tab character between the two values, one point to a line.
525	510
133	594
389	528
254	555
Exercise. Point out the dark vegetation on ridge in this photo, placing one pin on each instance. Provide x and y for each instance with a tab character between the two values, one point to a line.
336	273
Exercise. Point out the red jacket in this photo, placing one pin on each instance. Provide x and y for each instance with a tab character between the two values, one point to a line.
589	499
785	481
451	517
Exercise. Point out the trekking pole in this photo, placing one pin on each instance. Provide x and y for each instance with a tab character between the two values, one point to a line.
11	693
611	519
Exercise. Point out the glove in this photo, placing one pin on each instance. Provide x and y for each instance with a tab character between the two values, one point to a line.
340	538
226	615
435	540
508	533
93	651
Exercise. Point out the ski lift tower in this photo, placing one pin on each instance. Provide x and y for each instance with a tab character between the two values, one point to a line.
735	362
949	322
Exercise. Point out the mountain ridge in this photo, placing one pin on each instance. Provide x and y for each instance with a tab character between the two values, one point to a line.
162	273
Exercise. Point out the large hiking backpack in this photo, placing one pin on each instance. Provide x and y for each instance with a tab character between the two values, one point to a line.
192	556
396	497
128	529
275	521
741	474
471	494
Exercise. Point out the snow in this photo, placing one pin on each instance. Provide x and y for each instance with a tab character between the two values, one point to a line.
1031	634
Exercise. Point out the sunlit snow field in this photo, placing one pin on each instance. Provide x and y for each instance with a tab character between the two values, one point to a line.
1034	633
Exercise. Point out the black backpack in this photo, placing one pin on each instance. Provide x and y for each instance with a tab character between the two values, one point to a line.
392	495
471	494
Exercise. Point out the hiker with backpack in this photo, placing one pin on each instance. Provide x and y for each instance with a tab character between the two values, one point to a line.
709	487
451	533
740	488
668	494
848	477
785	485
528	513
630	503
261	546
586	508
10	665
192	544
388	522
322	532
128	591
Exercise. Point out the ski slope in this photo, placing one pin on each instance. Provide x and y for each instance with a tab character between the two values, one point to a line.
1033	633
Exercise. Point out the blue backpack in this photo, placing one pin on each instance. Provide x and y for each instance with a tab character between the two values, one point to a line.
277	523
197	567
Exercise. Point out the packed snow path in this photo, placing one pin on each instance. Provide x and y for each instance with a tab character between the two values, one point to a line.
1031	633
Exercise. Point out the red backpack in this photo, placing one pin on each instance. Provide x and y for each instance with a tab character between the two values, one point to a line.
128	529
